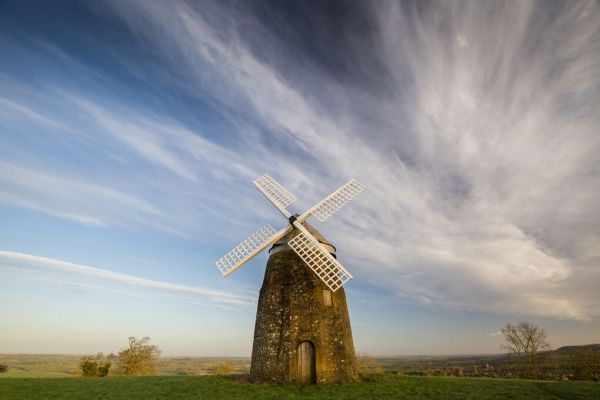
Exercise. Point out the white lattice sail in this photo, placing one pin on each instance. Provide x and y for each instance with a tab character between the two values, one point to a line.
338	199
274	191
327	268
245	250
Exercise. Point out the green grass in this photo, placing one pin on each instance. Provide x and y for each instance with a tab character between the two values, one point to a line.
385	386
40	365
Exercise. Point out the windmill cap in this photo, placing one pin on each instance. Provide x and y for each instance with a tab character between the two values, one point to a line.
281	244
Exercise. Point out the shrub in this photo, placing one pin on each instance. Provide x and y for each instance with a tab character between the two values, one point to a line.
367	363
224	368
3	368
97	365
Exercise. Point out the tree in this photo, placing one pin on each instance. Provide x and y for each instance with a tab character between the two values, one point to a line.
586	364
525	340
139	357
97	365
3	368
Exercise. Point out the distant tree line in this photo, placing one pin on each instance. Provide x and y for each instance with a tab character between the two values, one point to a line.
527	342
528	356
366	363
586	364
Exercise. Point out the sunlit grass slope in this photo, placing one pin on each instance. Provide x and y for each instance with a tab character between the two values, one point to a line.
385	386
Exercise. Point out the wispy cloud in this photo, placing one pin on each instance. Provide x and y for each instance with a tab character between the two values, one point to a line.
13	259
68	285
477	166
480	153
83	202
10	109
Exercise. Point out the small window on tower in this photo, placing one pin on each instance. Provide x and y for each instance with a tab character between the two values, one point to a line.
327	297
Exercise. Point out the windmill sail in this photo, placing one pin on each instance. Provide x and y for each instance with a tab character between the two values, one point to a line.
250	247
335	201
327	268
276	193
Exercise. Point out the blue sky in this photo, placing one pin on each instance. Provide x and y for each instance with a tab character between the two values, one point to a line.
131	131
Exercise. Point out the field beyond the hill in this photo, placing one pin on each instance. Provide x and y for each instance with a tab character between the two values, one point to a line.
377	386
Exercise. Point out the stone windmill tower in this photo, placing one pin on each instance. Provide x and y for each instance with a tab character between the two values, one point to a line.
302	331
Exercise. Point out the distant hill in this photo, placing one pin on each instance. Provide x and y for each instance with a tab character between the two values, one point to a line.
566	350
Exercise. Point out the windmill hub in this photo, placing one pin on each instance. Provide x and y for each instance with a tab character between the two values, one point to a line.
302	331
292	219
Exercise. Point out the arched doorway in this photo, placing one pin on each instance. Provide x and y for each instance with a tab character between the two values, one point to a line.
307	369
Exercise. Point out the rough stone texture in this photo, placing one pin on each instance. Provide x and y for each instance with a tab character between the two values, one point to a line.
291	310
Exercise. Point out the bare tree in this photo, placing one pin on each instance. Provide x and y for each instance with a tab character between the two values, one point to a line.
139	357
525	340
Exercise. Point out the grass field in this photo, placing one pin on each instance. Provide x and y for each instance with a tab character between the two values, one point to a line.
67	366
382	386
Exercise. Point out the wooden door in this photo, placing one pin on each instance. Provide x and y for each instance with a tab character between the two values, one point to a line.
307	371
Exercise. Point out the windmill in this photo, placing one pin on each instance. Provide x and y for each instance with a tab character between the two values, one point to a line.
302	331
